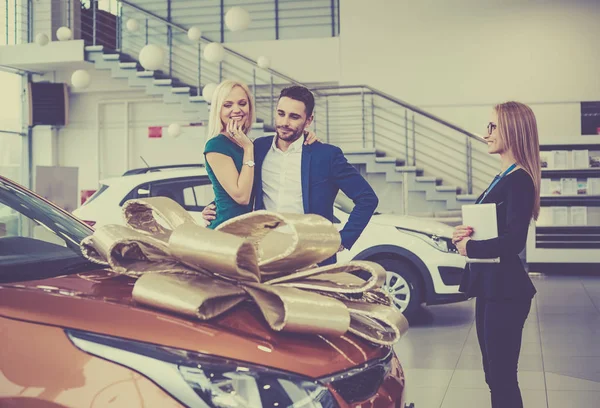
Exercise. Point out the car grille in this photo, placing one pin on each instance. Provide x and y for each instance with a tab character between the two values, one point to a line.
362	383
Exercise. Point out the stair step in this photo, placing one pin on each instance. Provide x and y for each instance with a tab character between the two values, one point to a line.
145	74
181	90
407	169
196	98
94	48
163	82
466	197
427	179
376	152
128	65
389	160
110	57
442	189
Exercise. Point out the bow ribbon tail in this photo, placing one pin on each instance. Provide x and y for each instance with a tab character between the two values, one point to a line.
376	323
198	296
295	310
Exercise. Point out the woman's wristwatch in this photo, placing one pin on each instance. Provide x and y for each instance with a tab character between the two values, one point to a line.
249	163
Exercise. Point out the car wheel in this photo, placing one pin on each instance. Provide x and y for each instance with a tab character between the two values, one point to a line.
403	285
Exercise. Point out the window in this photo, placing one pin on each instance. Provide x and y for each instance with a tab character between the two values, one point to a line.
192	193
198	196
37	240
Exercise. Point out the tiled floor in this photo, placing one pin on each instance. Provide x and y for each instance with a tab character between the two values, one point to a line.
560	358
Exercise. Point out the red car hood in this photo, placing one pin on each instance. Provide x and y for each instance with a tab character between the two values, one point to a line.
98	303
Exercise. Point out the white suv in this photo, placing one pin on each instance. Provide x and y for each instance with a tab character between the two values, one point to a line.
422	263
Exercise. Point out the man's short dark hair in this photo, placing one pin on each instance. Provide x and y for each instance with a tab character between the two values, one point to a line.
301	94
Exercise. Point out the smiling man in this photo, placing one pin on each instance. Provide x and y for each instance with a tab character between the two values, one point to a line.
292	177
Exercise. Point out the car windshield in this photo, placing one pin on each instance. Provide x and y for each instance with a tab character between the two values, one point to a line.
36	239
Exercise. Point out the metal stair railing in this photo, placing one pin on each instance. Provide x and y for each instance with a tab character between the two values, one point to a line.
360	116
271	19
347	115
185	64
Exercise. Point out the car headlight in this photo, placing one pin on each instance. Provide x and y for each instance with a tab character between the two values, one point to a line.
440	243
198	380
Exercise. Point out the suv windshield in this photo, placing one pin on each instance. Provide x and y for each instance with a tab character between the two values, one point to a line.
36	239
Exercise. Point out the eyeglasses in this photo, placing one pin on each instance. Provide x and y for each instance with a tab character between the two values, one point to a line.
491	126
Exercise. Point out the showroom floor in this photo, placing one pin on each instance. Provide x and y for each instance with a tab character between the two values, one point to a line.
560	357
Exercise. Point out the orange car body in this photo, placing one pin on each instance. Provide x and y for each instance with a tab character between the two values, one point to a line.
40	366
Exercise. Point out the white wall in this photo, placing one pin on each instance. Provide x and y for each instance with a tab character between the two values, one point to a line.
76	144
457	59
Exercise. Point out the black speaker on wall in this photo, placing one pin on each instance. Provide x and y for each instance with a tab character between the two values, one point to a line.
48	104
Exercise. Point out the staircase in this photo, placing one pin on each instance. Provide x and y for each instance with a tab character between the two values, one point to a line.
404	190
400	149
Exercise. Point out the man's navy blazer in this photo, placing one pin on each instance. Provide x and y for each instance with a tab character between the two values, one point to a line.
325	171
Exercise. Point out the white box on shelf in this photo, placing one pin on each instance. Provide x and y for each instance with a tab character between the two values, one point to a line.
593	185
581	159
578	216
560	216
568	186
546	160
546	186
582	187
560	159
555	187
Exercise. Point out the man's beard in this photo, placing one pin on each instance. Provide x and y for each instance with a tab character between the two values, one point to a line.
290	137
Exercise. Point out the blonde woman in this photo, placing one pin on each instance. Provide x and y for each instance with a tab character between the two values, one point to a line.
229	152
504	291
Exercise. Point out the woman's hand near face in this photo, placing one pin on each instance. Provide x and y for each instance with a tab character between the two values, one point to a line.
235	133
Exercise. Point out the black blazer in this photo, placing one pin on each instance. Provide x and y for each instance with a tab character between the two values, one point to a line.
514	197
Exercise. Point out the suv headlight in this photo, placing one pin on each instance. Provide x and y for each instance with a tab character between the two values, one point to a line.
440	243
198	380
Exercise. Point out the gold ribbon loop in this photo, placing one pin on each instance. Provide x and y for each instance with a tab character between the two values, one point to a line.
380	325
299	311
188	269
223	254
336	278
286	242
127	251
198	296
141	215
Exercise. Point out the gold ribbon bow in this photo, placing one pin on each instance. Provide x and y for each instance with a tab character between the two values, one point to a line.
267	257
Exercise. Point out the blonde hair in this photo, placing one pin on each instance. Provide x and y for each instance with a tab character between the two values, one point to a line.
215	125
518	132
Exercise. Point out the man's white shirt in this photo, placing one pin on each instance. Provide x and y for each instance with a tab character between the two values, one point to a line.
282	178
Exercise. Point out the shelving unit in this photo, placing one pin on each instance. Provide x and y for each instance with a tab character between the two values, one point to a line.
568	229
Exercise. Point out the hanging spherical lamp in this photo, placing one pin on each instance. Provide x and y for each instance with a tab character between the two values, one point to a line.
132	25
194	34
214	52
151	57
81	79
64	34
41	39
208	92
237	19
263	62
